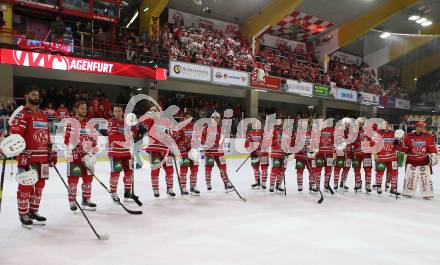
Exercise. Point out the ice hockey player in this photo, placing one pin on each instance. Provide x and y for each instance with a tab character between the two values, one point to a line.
159	129
303	160
421	151
190	158
213	140
119	153
29	141
386	159
81	141
362	158
259	159
278	160
344	158
325	157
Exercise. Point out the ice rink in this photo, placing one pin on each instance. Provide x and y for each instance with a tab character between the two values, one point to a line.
218	228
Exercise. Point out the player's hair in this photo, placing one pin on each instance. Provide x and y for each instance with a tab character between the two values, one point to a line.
79	103
122	107
31	88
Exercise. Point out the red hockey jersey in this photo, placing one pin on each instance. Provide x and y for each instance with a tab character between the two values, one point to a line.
361	140
254	139
326	141
302	155
34	128
116	136
216	148
162	138
184	138
86	135
390	146
277	152
418	147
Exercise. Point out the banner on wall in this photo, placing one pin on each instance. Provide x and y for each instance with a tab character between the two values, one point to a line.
28	44
275	42
73	64
230	77
391	102
346	58
268	82
346	94
296	87
368	98
403	103
321	90
189	20
190	71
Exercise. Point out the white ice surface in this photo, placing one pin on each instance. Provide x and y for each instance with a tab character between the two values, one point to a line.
217	228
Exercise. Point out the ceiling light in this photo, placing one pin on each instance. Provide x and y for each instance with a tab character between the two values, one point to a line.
421	20
139	89
132	19
427	23
146	9
413	17
415	79
385	35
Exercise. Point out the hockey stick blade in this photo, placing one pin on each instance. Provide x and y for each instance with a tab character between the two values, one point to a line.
322	197
118	202
128	210
104	237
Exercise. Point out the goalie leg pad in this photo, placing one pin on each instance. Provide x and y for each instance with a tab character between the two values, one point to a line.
410	182
426	187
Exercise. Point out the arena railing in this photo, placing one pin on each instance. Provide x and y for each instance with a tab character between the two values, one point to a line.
88	46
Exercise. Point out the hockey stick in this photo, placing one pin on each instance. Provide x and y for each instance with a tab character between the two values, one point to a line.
178	176
319	188
134	197
226	176
2	181
247	158
117	201
100	237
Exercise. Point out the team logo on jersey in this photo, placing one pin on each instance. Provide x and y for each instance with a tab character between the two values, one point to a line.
41	136
84	131
39	124
256	138
389	140
419	143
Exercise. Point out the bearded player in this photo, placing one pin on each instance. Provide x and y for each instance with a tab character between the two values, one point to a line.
279	161
325	157
303	160
190	158
29	141
421	151
386	159
362	158
344	158
259	159
159	149
119	154
81	141
213	140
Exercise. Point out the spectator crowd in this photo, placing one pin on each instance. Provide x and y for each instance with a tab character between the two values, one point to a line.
207	46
